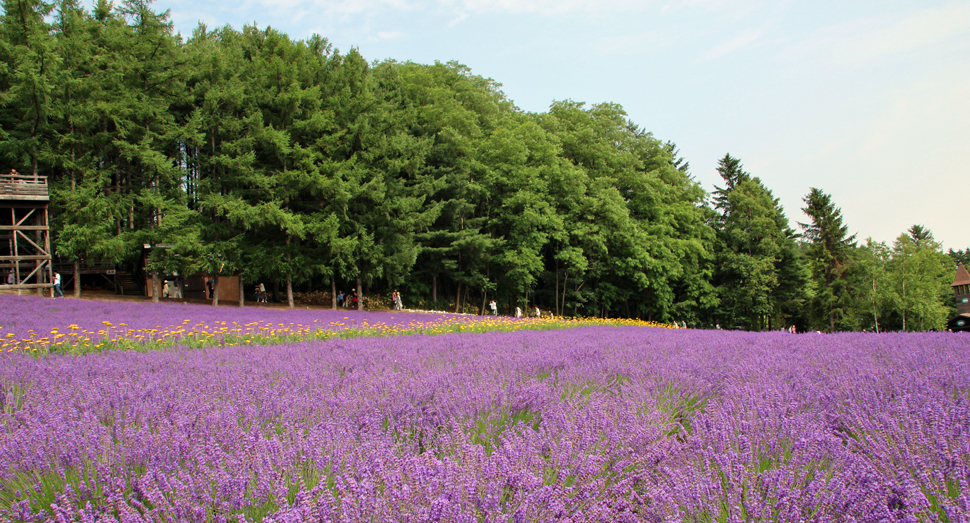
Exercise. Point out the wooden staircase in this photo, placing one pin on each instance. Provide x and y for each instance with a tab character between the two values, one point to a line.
128	285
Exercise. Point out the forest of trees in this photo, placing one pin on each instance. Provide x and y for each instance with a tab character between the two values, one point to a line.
284	161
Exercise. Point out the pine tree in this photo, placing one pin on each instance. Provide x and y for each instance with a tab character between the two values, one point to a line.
830	247
759	274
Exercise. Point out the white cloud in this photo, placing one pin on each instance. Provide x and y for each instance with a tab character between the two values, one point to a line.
862	41
629	44
388	35
740	41
547	6
734	7
329	7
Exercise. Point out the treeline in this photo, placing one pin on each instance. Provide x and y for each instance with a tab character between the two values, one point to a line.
288	162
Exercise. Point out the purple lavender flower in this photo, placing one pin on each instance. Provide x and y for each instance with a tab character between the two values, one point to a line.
587	424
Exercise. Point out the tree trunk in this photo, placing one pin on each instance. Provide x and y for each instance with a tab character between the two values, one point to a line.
565	279
875	317
556	294
289	278
156	288
242	292
41	274
360	295
458	299
215	290
333	293
434	291
289	291
77	279
904	299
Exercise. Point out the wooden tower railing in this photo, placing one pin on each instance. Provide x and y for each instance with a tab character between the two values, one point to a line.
25	247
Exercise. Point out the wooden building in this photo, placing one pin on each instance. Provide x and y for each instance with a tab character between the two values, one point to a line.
25	247
961	291
188	287
196	287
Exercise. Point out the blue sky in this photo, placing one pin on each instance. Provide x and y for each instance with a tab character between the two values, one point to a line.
867	100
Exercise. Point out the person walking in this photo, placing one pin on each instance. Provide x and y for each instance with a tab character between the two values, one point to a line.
518	312
494	307
340	298
398	304
57	284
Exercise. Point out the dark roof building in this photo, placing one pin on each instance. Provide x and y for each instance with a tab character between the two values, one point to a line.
961	291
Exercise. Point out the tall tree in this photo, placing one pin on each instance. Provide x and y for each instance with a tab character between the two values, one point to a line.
870	276
919	281
959	256
759	273
27	81
829	251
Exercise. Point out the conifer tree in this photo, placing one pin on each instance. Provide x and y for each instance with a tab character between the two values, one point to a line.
830	248
760	276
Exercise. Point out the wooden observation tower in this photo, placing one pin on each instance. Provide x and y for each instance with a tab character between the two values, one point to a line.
25	245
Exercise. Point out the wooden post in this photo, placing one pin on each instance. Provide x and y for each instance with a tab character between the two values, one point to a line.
26	197
360	295
155	287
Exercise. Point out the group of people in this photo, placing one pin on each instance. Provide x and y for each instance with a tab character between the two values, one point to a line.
396	298
55	280
518	311
344	300
172	288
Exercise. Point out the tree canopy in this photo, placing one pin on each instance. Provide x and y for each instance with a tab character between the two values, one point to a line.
247	152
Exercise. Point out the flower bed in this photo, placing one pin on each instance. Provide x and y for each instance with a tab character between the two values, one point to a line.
62	326
587	424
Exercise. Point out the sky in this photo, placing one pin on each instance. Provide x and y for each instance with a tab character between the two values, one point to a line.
868	101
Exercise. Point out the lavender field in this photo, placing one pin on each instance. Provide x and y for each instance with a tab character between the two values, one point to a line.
583	424
68	326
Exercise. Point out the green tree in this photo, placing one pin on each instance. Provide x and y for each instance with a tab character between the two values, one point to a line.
871	282
829	252
959	256
919	281
27	80
760	275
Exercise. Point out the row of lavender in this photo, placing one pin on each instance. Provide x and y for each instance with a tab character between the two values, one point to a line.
23	314
43	327
589	424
